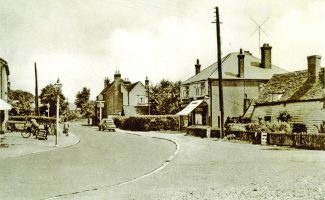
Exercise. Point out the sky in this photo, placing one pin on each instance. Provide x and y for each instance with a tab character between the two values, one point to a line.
81	42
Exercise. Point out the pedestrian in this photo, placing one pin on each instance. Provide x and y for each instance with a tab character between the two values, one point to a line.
66	128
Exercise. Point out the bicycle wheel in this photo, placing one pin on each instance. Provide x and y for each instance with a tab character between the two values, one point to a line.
25	134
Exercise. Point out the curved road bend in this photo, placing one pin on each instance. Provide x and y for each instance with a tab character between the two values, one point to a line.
100	160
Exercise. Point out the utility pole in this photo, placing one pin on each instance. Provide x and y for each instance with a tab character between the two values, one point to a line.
148	91
220	74
36	92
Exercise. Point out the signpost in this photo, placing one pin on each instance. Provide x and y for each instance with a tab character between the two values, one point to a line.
263	138
100	105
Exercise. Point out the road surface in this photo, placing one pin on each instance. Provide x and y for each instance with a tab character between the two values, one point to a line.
201	169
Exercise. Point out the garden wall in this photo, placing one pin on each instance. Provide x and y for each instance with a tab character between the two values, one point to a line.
201	131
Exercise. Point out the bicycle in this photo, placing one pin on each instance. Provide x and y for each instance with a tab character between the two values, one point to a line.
29	130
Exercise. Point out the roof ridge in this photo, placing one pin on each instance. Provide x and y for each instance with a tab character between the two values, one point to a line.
211	65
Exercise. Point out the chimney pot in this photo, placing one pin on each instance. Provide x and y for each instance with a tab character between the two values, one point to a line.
197	66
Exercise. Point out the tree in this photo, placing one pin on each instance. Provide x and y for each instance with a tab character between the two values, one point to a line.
21	102
164	97
49	96
87	108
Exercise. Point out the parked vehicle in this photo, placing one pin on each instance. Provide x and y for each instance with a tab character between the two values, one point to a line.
107	124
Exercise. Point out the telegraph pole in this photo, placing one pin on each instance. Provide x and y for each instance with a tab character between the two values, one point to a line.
220	74
36	92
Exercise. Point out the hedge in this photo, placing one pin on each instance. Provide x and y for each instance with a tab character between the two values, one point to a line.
39	119
148	123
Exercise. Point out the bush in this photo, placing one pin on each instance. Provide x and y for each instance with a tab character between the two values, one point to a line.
147	122
275	127
39	119
236	127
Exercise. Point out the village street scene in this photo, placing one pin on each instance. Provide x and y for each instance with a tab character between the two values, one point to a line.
138	100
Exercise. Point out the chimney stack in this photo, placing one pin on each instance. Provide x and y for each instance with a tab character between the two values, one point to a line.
241	64
146	83
106	82
313	67
197	66
117	75
266	62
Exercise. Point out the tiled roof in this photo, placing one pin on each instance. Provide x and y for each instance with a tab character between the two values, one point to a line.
131	86
293	86
106	88
128	87
252	70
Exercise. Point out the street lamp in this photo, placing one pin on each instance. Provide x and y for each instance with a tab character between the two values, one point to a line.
48	109
58	87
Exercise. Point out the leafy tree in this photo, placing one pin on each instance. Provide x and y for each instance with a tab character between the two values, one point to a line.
82	101
21	102
49	95
88	110
164	98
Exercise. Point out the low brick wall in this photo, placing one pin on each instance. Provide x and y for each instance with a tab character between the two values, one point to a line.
201	131
299	140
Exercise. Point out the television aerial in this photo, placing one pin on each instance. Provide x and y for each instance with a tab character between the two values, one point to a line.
259	29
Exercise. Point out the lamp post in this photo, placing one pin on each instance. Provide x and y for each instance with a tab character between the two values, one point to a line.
57	86
48	109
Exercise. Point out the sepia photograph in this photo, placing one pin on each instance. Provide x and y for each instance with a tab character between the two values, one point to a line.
162	100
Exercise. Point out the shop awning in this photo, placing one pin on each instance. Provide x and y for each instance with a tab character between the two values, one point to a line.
4	105
189	108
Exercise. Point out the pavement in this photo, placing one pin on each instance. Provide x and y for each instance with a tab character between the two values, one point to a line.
13	144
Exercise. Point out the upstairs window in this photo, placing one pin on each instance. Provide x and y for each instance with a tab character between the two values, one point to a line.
141	99
185	93
200	89
274	97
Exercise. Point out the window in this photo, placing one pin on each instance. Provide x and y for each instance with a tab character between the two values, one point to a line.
185	92
274	97
200	89
141	99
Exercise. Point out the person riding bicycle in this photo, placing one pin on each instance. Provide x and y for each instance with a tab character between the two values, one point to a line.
34	126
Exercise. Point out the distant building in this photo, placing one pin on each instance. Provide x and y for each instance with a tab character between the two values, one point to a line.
244	77
4	87
299	93
121	97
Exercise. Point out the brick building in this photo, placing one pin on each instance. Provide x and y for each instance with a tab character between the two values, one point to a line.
121	97
299	93
244	77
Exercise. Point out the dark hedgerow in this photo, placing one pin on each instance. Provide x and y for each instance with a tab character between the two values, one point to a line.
39	119
148	122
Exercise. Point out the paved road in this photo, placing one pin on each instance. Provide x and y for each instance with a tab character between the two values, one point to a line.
209	169
202	169
100	160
